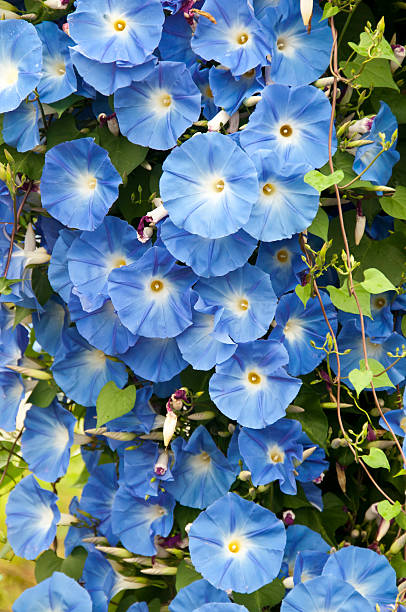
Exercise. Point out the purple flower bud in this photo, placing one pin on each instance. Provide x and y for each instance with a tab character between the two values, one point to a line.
161	464
288	517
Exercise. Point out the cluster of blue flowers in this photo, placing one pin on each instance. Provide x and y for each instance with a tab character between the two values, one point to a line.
223	93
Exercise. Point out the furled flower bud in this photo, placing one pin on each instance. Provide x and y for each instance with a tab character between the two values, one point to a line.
382	529
399	52
288	517
372	512
218	120
169	427
161	464
244	475
398	544
112	124
362	126
359	230
306	9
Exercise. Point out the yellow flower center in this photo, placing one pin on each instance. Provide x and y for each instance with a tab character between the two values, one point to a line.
380	302
119	25
166	100
403	424
234	546
280	44
120	261
249	74
243	304
282	256
92	182
268	189
156	285
276	455
242	38
286	131
219	185
254	378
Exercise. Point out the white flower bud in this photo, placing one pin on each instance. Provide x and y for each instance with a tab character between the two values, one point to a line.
359	230
146	165
306	9
372	513
169	427
161	464
288	582
67	519
382	529
398	544
244	475
112	124
294	409
157	214
336	443
188	527
399	52
252	101
218	120
355	533
54	4
29	239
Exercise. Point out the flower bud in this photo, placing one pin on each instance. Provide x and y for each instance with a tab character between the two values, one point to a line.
372	513
244	475
67	519
382	529
146	165
341	477
188	527
169	427
252	101
382	444
361	126
399	52
355	533
234	123
288	582
202	416
38	374
294	409
55	4
359	230
160	570
288	517
218	120
161	464
112	124
121	553
122	436
336	443
398	544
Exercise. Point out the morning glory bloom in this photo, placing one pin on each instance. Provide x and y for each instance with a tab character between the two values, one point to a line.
174	45
80	356
93	255
47	439
11	393
209	185
237	544
207	257
309	564
201	78
297	326
325	594
20	126
272	453
201	473
154	112
58	274
139	420
58	593
197	593
229	92
313	466
370	574
221	607
381	324
87	183
20	61
137	521
236	39
152	296
139	473
261	7
126	30
381	170
31	517
49	324
106	78
156	359
252	386
58	78
293	122
298	56
282	260
286	204
244	299
98	496
300	538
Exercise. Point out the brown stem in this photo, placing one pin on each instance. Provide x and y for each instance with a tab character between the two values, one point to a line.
17	214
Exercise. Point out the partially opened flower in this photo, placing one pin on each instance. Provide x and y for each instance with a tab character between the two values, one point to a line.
154	112
201	473
201	78
313	466
261	7
272	453
282	260
58	273
252	386
20	60
31	518
300	538
174	45
48	325
58	78
286	204
47	439
156	359
209	186
136	521
11	394
145	468
237	544
309	564
87	183
98	496
229	92
152	296
370	574
325	594
208	256
58	593
245	300
197	594
21	126
236	39
293	122
128	30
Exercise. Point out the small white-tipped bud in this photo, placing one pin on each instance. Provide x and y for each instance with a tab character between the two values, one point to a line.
252	101
28	16
294	409
187	527
360	223
169	427
81	439
112	124
399	52
161	464
341	477
234	123
322	83
288	582
95	540
231	428
361	126
146	165
355	533
67	519
121	553
122	436
244	475
202	416
308	452
96	431
306	9
154	435
372	513
29	239
157	202
336	443
218	120
382	444
160	570
55	4
398	544
37	374
382	529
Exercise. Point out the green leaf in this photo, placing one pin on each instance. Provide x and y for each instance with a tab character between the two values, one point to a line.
185	575
28	163
62	130
343	301
319	226
396	204
376	282
62	105
360	379
399	565
377	73
401	520
313	420
20	313
389	511
113	402
269	595
303	292
379	380
368	48
329	11
47	563
73	565
333	515
41	285
403	325
376	459
124	155
6	283
322	181
43	393
395	100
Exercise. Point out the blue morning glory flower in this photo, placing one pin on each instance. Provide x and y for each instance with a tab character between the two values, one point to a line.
381	170
292	122
20	60
156	359
286	204
139	472
31	517
58	593
78	531
126	30
201	473
93	255
282	260
6	214
313	466
156	111
236	39
229	92
152	296
58	78
80	356
101	581
381	324
106	78
20	126
245	301
252	386
139	420
261	7
98	496
58	274
209	185
201	78
48	325
174	45
221	607
272	453
140	606
137	521
197	593
208	257
325	594
11	393
87	183
300	538
309	564
298	56
297	326
367	572
236	544
47	439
